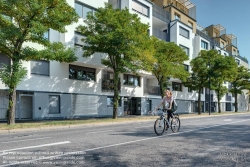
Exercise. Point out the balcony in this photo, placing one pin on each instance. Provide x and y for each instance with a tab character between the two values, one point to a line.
239	57
186	6
161	14
108	85
152	90
160	34
203	35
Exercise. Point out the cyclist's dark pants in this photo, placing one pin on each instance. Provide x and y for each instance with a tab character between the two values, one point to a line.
170	114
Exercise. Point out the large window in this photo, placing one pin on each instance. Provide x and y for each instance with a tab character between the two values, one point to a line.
186	67
110	102
176	86
140	8
54	104
131	80
186	49
78	39
204	45
4	60
40	67
83	10
184	32
81	73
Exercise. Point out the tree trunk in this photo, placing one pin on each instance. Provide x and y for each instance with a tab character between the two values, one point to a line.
236	102
219	109
116	94
12	106
162	90
199	102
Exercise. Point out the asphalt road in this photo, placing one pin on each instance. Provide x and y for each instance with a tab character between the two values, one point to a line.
203	141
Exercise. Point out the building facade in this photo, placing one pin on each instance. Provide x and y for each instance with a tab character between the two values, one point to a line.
85	88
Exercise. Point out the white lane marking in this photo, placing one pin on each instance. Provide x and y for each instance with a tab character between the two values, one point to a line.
100	131
119	144
43	145
26	140
227	119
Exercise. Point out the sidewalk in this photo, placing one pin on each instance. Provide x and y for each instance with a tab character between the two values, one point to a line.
39	125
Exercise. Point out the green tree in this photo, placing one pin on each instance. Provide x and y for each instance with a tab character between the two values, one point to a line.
239	83
169	59
200	72
224	69
24	22
121	36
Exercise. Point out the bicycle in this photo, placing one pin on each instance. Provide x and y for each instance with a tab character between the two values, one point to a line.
162	122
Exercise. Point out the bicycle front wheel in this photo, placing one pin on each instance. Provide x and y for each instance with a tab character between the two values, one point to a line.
159	126
175	124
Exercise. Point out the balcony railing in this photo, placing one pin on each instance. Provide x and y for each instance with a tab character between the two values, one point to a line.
239	57
160	34
152	90
203	35
108	85
161	14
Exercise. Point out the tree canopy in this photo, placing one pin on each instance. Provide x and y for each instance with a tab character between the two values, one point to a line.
25	22
120	35
169	62
240	82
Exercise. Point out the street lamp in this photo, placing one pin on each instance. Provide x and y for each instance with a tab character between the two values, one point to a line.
209	87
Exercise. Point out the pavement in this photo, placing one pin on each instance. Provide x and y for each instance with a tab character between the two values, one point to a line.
130	118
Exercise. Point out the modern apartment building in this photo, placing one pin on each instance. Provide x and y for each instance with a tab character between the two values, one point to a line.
85	88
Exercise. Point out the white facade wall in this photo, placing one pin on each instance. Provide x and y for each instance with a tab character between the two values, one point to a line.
58	82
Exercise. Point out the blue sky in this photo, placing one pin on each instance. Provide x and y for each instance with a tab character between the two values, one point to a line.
233	15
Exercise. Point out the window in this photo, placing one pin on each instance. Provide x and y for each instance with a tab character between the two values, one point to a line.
184	32
81	73
46	35
189	89
54	104
115	3
222	44
190	24
131	80
140	8
186	67
214	34
4	60
237	61
234	52
176	86
40	67
204	45
186	50
110	102
177	16
78	39
83	10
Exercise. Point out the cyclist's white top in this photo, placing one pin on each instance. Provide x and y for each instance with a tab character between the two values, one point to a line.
167	100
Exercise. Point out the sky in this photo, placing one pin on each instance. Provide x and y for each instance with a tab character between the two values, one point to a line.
233	15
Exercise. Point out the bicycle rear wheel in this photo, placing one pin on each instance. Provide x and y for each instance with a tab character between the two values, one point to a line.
159	126
175	124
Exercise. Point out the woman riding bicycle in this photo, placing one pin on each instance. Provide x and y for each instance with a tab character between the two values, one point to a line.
167	102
